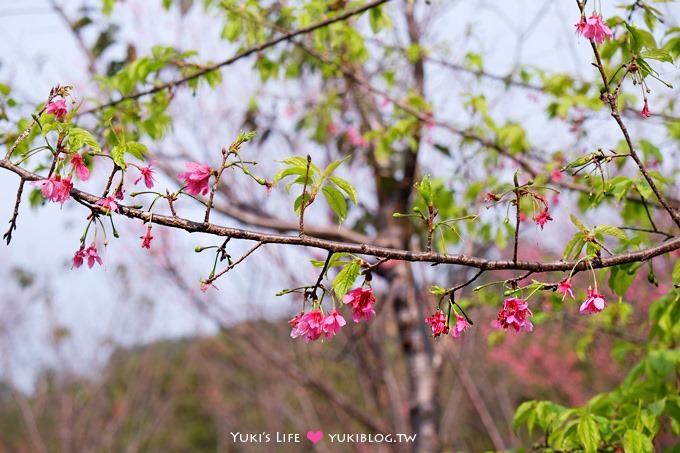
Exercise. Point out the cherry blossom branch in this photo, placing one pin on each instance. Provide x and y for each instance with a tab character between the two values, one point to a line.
243	54
89	200
424	117
612	99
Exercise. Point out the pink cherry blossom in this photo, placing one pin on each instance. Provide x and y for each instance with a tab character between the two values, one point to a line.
362	300
79	256
594	28
564	288
56	189
332	324
309	326
331	128
438	323
356	139
82	172
460	326
92	256
556	175
146	239
57	108
196	178
645	113
146	173
542	218
515	314
109	204
594	302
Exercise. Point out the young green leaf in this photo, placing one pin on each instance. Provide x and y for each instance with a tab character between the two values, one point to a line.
345	279
336	201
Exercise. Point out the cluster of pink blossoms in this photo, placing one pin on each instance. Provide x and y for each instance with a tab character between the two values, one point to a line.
439	326
89	253
515	314
311	326
197	178
55	188
594	28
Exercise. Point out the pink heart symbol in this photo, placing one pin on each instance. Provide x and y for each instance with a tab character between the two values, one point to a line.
314	436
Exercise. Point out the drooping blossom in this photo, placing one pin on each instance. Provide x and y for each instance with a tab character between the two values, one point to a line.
594	302
564	288
542	218
92	256
515	314
362	300
594	28
55	188
645	113
196	178
332	324
82	172
332	129
79	256
57	108
109	204
460	326
356	139
146	239
146	173
438	323
309	326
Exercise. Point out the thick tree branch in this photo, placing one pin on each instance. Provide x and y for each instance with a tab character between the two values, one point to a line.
191	226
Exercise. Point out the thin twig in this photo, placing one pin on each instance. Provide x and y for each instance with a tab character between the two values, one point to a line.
235	263
517	218
13	221
253	50
303	201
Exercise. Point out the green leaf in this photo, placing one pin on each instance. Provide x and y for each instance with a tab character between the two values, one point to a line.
345	279
118	156
523	413
676	273
588	433
77	138
346	187
336	201
611	230
438	290
138	150
622	276
581	227
657	54
288	172
635	442
328	171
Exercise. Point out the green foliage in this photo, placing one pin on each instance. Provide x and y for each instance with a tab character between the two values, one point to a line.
629	416
313	179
